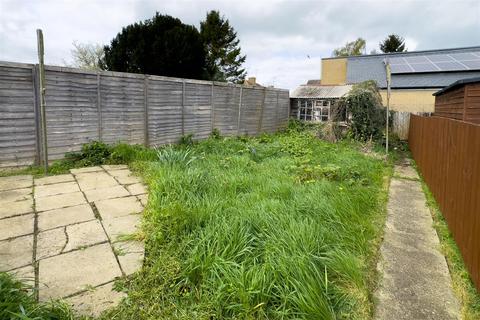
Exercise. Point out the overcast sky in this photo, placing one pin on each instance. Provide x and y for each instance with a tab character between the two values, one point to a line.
283	40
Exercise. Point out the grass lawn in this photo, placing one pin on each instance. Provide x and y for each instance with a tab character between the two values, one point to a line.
283	226
276	227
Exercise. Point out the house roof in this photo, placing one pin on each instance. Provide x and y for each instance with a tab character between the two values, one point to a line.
320	92
372	67
457	84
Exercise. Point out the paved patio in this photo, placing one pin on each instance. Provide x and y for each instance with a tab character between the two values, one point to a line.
68	235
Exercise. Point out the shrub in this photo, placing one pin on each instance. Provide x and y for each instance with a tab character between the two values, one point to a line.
186	140
95	153
365	106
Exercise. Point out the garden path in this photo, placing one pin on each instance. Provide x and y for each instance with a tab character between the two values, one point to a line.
70	235
415	282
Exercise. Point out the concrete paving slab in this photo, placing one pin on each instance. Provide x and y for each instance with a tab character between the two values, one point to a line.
93	302
59	201
112	208
54	179
15	195
51	243
136	189
95	180
75	271
84	234
10	209
120	226
406	172
416	283
84	170
131	262
128	180
120	173
64	216
15	182
25	274
16	226
56	188
143	199
16	253
117	191
109	167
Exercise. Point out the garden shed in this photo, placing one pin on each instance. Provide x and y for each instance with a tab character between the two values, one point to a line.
460	100
316	102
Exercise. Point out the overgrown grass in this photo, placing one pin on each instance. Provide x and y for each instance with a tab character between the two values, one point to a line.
17	302
275	227
462	284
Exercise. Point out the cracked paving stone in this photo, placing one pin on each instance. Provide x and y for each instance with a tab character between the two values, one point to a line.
130	255
16	226
64	216
51	243
84	234
16	252
121	226
76	271
143	199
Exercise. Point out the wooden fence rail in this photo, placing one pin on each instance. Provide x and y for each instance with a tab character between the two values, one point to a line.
82	106
447	153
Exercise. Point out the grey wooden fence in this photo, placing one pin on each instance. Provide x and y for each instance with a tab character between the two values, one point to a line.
82	106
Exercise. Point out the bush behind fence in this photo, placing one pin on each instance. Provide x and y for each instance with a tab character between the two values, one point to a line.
82	106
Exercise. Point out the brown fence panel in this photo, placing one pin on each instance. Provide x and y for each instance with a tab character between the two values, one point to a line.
447	153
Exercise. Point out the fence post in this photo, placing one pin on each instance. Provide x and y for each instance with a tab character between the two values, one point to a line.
262	108
145	102
212	108
36	111
239	110
183	107
276	115
99	108
41	67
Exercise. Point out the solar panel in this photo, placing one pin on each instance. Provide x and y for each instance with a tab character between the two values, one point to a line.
463	56
417	59
450	66
439	58
473	65
396	61
423	67
400	68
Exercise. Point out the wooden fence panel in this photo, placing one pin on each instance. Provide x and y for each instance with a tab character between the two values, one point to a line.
71	111
17	115
82	106
447	153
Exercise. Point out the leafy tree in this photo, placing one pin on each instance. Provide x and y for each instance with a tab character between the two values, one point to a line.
87	56
393	43
162	45
364	103
223	58
354	48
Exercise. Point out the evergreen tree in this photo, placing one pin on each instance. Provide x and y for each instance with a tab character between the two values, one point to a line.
223	58
162	45
393	43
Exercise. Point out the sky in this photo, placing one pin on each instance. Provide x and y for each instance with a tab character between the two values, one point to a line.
284	40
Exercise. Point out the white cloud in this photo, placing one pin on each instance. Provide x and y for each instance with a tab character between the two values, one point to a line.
277	36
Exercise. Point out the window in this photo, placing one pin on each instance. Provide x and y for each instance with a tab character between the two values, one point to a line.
314	110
